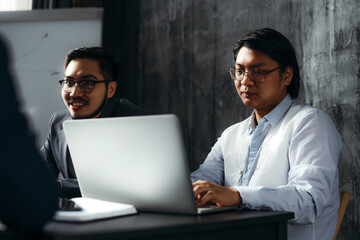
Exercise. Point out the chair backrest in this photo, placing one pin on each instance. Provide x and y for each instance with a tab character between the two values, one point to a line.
344	201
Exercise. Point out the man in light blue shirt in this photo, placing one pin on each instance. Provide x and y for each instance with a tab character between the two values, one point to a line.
283	157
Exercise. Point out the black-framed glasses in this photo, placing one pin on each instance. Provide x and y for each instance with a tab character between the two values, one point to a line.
86	86
255	76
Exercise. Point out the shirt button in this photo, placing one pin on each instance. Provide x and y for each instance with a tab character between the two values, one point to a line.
241	172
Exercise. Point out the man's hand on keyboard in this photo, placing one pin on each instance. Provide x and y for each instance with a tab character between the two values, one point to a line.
207	192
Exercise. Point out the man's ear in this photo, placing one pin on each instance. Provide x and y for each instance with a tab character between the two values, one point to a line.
111	89
287	75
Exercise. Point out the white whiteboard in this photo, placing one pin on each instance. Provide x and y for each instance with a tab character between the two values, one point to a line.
38	41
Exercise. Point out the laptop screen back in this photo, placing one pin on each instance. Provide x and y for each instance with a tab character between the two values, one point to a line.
134	160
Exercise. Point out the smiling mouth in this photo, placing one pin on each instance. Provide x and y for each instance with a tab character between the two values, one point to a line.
77	103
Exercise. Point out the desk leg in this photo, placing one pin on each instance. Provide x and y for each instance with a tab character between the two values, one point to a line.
282	226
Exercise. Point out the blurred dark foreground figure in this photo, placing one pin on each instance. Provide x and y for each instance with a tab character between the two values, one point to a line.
28	190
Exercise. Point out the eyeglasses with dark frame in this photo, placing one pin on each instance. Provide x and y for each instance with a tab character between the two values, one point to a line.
86	86
256	76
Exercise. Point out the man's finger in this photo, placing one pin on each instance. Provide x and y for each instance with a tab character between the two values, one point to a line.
209	196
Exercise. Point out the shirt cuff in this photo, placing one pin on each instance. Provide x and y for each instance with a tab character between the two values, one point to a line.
250	196
69	188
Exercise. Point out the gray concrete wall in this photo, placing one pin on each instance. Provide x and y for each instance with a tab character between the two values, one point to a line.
185	50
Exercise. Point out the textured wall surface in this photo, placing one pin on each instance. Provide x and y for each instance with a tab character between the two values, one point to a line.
185	51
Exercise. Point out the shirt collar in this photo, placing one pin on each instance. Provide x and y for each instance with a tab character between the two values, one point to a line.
275	115
278	112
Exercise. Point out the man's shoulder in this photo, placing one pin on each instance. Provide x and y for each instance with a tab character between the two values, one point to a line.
59	117
302	110
124	107
300	115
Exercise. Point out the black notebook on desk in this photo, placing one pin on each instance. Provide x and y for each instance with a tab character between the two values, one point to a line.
133	160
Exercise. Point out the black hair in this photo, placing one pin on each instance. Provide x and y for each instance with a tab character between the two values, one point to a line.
108	66
277	47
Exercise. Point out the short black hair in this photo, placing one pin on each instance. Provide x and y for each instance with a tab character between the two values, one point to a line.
108	66
277	47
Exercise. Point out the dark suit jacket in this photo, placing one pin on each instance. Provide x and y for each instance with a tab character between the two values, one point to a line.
28	190
55	151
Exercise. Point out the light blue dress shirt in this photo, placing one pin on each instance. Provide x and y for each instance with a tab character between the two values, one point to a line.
288	162
258	134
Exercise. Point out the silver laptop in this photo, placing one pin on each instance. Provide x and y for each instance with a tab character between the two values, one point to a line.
135	160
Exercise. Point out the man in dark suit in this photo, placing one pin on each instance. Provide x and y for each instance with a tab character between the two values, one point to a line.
87	91
28	191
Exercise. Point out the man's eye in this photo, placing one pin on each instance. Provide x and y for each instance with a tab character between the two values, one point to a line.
258	72
87	83
69	83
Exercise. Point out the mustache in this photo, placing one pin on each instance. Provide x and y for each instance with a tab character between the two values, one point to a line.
72	99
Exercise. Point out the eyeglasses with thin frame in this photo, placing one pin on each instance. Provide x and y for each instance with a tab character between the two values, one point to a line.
86	86
255	76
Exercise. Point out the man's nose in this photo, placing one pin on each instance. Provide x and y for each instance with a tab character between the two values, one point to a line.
247	80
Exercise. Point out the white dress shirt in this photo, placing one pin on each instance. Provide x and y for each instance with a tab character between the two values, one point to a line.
289	165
